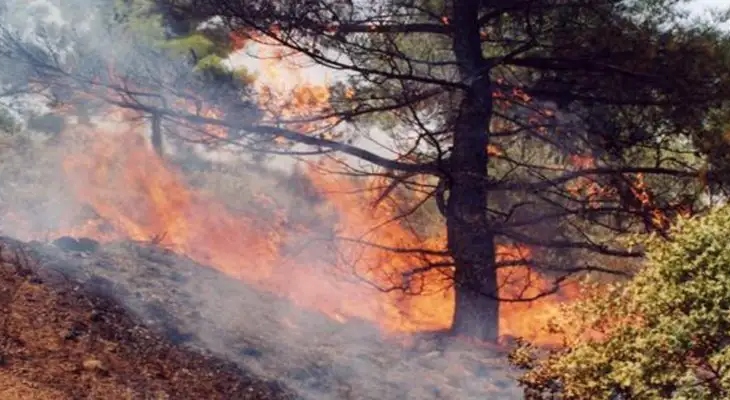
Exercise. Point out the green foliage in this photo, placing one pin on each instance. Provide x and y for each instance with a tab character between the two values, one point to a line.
143	19
140	17
663	335
211	63
196	42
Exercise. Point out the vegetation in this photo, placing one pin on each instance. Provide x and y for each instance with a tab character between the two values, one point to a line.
662	335
566	127
536	75
558	125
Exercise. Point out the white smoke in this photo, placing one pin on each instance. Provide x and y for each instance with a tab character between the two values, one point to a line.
319	357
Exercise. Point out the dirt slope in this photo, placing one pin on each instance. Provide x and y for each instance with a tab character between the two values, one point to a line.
57	341
319	358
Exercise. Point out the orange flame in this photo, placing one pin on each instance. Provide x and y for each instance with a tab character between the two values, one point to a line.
138	196
285	92
589	189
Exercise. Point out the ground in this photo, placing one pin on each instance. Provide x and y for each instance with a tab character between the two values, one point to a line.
198	309
59	342
194	308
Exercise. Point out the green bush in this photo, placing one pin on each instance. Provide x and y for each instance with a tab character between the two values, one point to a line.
662	335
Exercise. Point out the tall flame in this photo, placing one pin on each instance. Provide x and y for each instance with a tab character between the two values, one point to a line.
136	195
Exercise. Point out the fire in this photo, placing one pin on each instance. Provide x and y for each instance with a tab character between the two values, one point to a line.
138	196
588	188
207	132
286	92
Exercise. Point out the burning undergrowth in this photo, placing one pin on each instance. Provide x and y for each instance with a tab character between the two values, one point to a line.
301	308
318	249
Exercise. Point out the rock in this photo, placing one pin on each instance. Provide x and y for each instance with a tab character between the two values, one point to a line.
88	245
72	244
96	316
66	243
76	331
92	364
36	280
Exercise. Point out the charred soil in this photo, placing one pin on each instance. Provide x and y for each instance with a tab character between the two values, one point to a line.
140	316
60	340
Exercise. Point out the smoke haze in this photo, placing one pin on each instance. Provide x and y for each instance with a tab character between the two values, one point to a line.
52	182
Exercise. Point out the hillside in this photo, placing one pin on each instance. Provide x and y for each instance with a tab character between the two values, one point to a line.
199	309
59	340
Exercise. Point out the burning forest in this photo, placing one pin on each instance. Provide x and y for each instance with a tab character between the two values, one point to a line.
134	195
326	172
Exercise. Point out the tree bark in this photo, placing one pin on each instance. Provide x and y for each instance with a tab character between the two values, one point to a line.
156	138
470	239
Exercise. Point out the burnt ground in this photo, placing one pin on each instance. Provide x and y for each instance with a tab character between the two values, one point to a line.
131	320
59	341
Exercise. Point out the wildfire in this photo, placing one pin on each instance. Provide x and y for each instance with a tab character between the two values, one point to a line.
286	92
595	193
137	195
209	132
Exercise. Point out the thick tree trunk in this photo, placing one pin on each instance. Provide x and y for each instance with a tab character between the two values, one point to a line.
477	311
470	239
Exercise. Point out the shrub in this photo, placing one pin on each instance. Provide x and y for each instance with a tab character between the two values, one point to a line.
662	335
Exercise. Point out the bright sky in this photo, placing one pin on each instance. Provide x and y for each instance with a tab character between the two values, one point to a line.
702	4
698	7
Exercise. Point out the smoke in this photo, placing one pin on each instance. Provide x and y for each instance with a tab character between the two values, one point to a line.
53	50
77	54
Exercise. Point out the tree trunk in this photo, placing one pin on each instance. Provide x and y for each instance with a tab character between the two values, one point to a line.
470	239
157	134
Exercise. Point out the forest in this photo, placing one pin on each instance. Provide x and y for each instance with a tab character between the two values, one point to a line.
546	176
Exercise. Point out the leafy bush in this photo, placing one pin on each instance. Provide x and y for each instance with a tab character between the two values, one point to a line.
662	335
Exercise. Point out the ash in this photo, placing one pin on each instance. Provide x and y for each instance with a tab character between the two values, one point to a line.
198	307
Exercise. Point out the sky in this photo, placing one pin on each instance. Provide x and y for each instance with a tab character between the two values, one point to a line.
702	4
699	7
